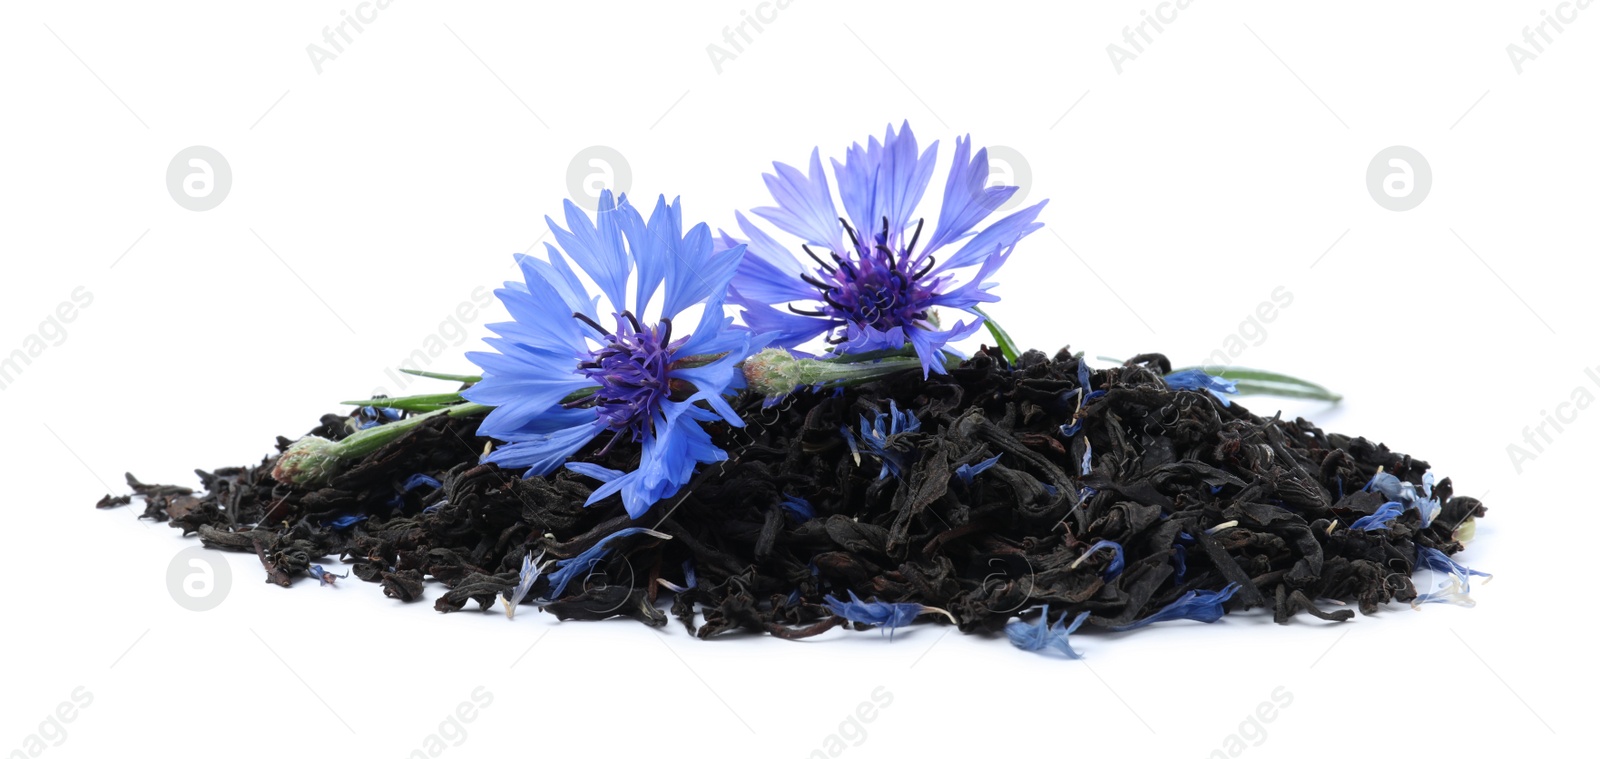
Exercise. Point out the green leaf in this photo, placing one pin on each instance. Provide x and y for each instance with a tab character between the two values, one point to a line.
463	378
1002	339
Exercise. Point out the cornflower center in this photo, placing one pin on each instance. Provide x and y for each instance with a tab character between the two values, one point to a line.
631	368
872	284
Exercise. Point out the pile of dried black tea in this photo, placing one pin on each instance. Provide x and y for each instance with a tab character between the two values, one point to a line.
1042	492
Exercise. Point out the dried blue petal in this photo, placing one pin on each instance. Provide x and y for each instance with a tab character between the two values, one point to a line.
888	616
347	520
1198	379
1040	635
420	480
1380	519
1086	465
968	471
1395	489
568	569
529	575
324	576
798	507
875	435
1439	561
1452	592
372	416
1198	605
1114	568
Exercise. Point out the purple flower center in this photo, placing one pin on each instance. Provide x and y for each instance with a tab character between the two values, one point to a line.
873	285
631	368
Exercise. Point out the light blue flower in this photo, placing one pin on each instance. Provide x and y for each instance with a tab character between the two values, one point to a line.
866	285
568	569
1041	635
559	377
1198	379
1380	519
1198	605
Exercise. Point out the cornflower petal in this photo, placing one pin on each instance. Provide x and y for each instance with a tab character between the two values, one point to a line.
1198	605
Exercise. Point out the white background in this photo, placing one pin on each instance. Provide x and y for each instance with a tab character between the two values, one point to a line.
369	200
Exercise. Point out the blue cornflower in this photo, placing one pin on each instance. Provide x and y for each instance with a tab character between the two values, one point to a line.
798	507
968	471
1380	519
559	378
568	569
1114	568
875	439
872	288
1198	605
885	615
1041	634
531	569
1197	379
1406	493
324	576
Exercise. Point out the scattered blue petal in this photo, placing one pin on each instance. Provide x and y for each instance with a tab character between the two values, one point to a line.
888	616
968	471
1198	379
1380	519
798	507
1198	605
324	576
349	520
420	480
875	437
1439	561
1041	635
568	569
531	570
1115	567
1394	489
